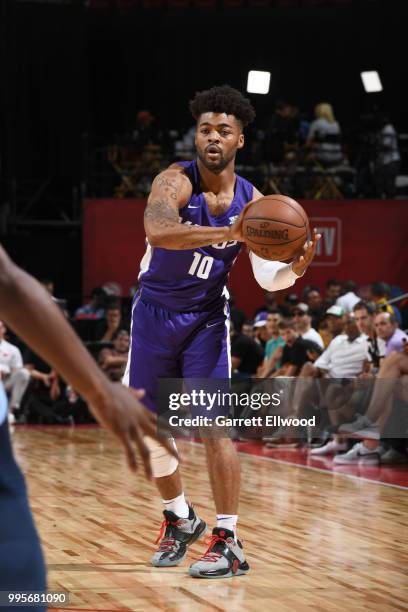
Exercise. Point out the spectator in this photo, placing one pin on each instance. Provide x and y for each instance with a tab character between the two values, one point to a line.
274	346
108	328
325	136
364	314
348	298
387	328
113	360
388	159
246	355
345	358
345	355
296	351
14	376
303	324
248	328
335	321
333	290
237	316
270	303
282	133
95	309
48	285
379	293
393	370
314	301
145	132
261	334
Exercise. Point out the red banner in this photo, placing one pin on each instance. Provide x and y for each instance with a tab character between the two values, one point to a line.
363	240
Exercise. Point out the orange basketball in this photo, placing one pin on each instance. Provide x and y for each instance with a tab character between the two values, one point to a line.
275	227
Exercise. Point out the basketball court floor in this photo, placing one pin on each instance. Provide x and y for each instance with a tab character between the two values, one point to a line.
315	539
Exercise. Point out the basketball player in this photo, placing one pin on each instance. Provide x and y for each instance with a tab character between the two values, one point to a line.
193	223
29	310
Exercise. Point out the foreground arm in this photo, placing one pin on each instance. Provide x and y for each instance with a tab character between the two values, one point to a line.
28	309
171	190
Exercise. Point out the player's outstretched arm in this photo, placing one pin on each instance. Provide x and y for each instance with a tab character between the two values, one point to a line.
28	309
171	190
276	275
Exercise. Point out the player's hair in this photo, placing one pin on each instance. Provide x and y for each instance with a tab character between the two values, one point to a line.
286	324
223	99
362	305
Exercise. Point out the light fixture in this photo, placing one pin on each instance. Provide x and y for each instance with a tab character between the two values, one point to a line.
371	81
258	81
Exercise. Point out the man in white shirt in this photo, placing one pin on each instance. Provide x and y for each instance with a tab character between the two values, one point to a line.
303	324
344	358
348	299
14	376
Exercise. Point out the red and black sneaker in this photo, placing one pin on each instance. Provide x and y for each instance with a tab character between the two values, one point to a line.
223	559
176	534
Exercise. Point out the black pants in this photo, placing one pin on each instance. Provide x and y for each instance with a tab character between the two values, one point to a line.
21	561
385	177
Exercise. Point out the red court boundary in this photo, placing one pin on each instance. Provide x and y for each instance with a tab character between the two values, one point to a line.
392	475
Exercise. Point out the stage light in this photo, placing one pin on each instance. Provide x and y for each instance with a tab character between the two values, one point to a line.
258	81
371	81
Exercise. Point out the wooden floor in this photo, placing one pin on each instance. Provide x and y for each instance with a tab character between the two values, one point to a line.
314	541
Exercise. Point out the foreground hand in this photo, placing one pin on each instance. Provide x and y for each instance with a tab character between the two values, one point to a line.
302	262
118	409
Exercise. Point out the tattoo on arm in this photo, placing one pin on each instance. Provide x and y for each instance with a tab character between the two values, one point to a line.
161	213
168	187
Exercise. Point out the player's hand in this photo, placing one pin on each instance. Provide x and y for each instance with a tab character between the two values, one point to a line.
235	231
118	409
302	262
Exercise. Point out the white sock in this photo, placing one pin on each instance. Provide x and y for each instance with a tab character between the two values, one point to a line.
178	505
228	521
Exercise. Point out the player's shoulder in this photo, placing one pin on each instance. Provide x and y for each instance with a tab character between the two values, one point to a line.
174	178
173	172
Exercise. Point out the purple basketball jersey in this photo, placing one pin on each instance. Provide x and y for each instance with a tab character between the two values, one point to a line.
194	280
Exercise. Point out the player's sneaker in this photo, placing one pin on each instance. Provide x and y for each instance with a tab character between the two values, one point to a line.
176	534
224	557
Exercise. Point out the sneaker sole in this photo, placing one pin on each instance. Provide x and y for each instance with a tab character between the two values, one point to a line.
196	574
203	528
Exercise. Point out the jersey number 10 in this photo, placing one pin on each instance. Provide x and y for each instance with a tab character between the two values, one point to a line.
201	265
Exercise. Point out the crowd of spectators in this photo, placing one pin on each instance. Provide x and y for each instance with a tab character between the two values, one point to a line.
343	351
291	152
37	393
344	355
